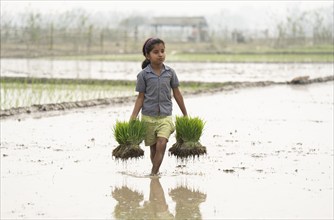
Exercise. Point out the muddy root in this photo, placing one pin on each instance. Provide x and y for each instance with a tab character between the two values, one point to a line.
125	152
187	149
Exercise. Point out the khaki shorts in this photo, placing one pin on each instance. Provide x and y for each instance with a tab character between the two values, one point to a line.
158	126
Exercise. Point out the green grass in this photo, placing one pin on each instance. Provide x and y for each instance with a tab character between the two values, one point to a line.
129	133
189	129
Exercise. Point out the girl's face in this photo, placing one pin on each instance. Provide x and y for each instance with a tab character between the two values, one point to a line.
157	54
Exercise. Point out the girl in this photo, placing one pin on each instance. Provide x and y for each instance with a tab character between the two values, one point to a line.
154	85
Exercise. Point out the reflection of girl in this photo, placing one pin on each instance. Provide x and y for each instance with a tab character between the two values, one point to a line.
157	206
154	84
129	207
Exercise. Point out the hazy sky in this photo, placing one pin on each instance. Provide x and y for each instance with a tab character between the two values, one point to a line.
177	8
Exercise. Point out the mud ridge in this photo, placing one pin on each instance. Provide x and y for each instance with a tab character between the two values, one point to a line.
66	105
228	86
302	80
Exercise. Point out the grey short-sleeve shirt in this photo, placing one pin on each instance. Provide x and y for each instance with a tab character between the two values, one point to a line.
157	89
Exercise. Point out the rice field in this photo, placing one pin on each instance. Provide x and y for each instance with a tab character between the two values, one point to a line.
28	82
24	92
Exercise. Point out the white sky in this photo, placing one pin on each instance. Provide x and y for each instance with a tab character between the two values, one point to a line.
159	7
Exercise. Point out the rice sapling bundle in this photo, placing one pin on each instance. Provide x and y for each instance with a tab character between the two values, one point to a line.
129	135
188	133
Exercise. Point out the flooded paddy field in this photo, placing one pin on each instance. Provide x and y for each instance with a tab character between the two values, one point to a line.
193	71
270	155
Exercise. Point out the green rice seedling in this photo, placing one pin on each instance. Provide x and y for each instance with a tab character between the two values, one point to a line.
128	135
189	129
188	133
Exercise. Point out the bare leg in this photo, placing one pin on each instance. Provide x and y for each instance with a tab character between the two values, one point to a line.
158	155
153	150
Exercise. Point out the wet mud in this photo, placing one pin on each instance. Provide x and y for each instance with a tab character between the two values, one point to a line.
269	156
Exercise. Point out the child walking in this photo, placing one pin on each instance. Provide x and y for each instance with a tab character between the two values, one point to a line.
154	85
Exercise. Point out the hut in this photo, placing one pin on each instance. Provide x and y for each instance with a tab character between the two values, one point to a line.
187	29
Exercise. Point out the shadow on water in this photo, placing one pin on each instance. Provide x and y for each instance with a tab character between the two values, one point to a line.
130	204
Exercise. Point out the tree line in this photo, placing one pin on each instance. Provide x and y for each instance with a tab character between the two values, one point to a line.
78	32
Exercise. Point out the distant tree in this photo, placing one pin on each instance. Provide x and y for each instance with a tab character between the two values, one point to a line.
130	29
90	37
51	41
31	32
281	35
321	32
6	25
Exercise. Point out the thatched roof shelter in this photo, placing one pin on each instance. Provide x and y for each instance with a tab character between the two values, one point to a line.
187	28
179	21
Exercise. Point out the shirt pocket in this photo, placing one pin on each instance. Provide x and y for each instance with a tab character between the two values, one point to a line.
165	82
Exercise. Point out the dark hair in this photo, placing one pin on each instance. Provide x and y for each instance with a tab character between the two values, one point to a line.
148	47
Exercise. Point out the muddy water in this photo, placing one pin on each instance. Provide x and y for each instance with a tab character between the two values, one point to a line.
207	72
270	155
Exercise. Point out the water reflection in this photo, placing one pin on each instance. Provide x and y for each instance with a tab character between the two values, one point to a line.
128	203
131	206
187	202
207	72
156	207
